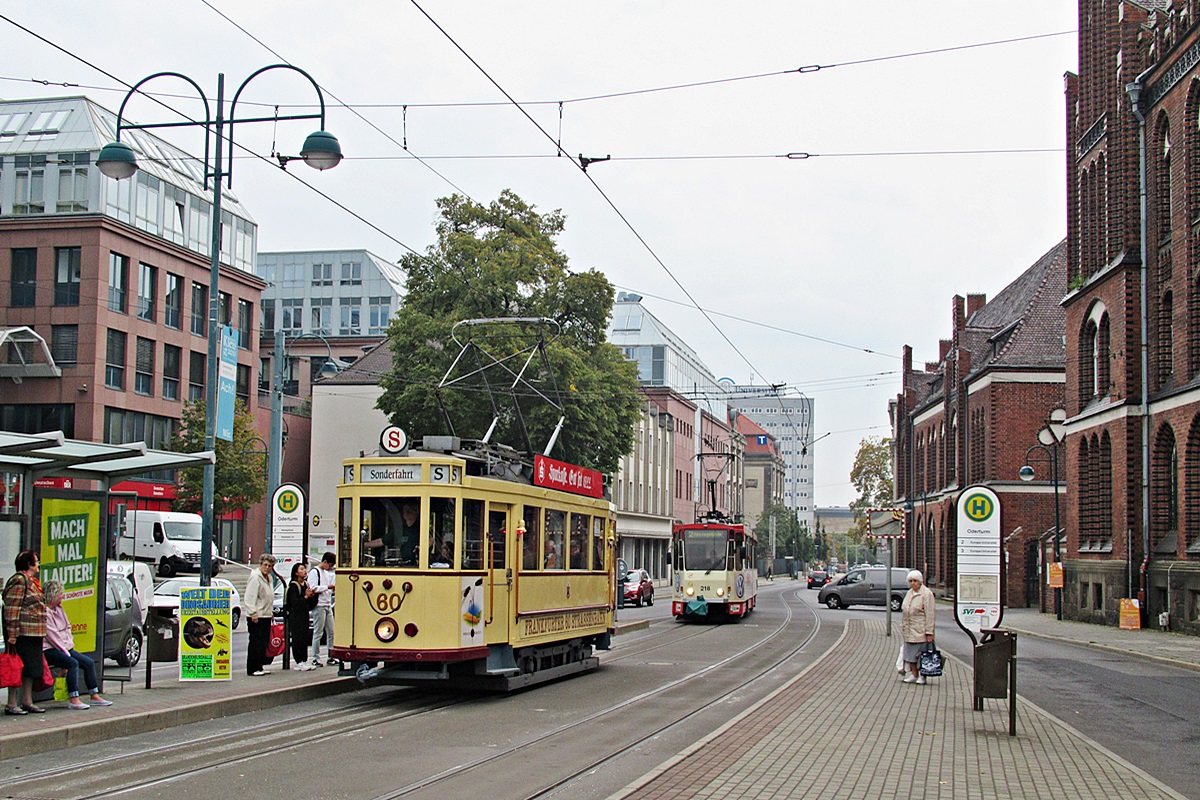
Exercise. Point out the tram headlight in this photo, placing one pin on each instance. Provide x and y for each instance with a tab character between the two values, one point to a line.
720	592
410	629
387	629
691	590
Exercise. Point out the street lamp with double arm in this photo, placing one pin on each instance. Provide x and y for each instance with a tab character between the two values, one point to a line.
118	160
1049	438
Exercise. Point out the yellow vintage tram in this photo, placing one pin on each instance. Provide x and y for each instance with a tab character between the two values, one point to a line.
461	563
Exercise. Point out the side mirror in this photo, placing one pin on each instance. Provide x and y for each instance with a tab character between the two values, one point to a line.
158	533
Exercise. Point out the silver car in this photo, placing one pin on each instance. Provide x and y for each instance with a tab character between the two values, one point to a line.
866	587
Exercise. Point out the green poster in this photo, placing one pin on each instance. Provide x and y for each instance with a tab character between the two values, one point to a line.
70	554
205	648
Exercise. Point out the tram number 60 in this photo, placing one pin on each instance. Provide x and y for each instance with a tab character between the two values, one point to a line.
388	603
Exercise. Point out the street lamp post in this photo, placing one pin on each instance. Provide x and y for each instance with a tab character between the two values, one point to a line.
1049	438
275	459
118	160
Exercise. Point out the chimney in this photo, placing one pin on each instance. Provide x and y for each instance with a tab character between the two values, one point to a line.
974	303
943	349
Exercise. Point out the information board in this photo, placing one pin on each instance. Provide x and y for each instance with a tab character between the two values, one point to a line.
977	599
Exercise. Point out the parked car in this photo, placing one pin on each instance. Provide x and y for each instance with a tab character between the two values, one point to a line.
817	578
638	588
866	587
123	634
167	593
139	578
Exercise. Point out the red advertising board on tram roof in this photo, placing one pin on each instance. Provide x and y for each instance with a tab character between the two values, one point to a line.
567	477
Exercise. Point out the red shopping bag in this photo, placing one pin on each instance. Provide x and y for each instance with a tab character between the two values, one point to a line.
47	679
275	645
10	670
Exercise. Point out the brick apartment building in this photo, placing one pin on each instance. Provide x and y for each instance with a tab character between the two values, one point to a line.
1133	313
970	418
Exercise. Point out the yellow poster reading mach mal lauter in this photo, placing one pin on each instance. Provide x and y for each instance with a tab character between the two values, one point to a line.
205	634
70	554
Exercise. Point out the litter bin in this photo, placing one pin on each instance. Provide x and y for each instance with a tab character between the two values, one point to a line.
993	655
162	634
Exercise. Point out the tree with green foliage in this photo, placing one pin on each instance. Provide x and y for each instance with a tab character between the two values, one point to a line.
791	537
871	475
502	261
240	479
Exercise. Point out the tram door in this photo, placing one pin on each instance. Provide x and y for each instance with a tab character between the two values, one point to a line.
499	577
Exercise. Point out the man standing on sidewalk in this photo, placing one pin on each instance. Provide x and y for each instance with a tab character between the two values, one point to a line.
320	580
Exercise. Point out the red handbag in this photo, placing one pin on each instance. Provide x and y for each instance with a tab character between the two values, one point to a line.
275	643
10	670
47	679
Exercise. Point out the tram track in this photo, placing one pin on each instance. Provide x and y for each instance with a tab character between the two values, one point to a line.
159	765
541	740
120	774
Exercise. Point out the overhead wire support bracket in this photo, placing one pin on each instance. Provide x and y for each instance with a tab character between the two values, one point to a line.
585	162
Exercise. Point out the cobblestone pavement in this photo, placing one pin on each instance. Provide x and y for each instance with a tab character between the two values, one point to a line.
897	740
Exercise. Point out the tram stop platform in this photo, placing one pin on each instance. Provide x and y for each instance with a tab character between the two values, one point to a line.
910	740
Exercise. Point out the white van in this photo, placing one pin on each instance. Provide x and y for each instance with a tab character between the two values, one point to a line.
169	539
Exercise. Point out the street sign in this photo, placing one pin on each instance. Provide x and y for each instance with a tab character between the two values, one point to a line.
977	601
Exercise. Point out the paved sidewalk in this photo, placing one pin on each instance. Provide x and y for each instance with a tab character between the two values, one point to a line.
900	741
1152	644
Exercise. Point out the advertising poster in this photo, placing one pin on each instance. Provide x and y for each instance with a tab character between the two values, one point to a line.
205	644
1131	614
70	554
1054	574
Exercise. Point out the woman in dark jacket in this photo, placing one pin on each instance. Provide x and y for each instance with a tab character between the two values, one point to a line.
299	601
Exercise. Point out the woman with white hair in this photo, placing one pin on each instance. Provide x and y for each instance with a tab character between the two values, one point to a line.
59	651
916	623
260	605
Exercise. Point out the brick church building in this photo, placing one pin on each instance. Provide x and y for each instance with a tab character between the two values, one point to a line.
971	417
1133	314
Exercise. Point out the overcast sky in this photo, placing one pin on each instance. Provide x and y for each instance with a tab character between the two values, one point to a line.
817	270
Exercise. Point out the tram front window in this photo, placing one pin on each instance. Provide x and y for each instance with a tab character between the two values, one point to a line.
391	531
705	550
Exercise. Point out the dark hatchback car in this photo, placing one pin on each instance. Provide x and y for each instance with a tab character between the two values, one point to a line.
817	578
638	588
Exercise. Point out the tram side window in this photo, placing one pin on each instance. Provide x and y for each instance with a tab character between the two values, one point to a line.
345	529
556	525
472	534
579	541
598	543
532	538
391	531
441	532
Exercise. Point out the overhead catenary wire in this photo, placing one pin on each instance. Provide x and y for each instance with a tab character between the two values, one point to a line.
803	70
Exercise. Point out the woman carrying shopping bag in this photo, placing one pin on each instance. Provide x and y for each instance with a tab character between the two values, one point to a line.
916	624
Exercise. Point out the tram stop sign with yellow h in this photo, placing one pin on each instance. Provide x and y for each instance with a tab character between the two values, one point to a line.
287	523
977	600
